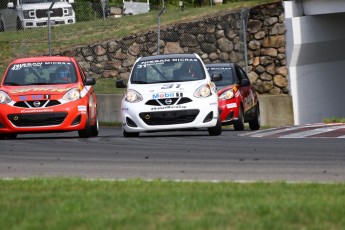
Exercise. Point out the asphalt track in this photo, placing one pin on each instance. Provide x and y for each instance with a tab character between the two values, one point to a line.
264	155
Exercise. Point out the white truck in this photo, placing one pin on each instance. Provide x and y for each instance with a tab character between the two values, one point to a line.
24	14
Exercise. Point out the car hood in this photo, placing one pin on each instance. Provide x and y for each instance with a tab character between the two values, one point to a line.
44	5
165	88
221	89
38	89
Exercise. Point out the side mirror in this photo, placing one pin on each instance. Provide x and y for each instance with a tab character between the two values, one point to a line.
10	5
121	84
216	77
90	81
245	82
71	1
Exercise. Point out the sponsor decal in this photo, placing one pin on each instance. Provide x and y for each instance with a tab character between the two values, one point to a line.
81	108
144	64
49	89
169	107
37	97
166	95
36	110
25	65
22	98
231	105
214	103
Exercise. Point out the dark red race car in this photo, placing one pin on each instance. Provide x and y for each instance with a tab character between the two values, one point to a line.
237	98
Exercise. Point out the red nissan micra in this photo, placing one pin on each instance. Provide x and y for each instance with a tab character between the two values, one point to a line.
47	94
237	98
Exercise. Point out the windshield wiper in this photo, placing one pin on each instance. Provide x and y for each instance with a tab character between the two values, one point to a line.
138	82
12	83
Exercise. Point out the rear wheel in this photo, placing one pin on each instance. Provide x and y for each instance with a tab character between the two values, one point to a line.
255	123
216	130
239	124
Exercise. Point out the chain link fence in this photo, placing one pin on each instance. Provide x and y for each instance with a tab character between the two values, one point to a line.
106	37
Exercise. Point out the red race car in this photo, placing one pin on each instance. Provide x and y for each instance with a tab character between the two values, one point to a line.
237	98
47	94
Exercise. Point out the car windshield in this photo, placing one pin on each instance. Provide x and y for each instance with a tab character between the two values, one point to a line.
228	77
38	1
41	73
167	70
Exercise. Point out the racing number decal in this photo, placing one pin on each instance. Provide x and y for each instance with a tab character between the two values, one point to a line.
169	86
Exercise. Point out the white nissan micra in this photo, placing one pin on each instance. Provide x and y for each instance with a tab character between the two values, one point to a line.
169	92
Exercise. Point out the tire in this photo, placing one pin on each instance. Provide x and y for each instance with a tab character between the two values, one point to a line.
8	136
95	128
255	123
216	130
2	27
86	132
19	24
239	124
127	134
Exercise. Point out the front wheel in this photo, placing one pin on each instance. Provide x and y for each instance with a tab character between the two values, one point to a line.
130	134
2	27
19	24
95	129
239	124
8	136
86	132
216	130
255	123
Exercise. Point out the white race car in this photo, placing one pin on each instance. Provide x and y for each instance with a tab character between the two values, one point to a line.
169	92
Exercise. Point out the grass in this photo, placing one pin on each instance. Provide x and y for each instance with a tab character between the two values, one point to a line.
137	204
334	120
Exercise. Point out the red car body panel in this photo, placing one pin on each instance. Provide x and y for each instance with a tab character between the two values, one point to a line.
42	108
243	94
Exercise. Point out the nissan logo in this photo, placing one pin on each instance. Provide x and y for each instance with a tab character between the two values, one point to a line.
37	103
168	101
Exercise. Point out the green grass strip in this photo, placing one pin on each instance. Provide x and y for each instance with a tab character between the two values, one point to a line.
136	204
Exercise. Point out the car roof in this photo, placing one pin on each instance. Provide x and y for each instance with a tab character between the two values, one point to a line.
42	59
161	56
223	64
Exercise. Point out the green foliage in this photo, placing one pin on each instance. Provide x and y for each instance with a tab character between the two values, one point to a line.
85	12
334	120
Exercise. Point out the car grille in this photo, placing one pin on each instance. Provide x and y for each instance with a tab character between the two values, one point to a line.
43	13
169	117
39	119
168	101
31	104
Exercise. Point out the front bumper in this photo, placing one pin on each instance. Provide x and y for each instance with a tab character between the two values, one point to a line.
138	117
70	116
229	110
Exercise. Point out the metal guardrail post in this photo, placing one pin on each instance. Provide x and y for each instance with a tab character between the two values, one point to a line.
49	33
159	28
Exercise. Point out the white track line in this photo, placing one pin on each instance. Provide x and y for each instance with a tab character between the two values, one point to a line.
312	132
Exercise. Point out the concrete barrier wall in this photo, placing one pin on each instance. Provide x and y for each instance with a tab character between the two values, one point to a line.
275	110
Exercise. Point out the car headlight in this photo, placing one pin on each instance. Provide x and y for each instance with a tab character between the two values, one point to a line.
72	95
28	14
4	98
228	94
68	11
203	91
133	96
